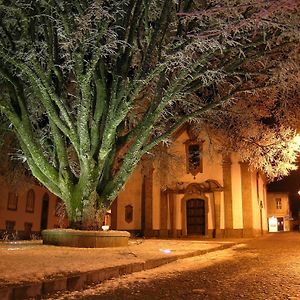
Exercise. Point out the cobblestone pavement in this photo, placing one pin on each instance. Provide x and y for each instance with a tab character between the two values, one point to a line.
263	268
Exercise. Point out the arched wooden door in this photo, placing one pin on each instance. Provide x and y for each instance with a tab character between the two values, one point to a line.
195	216
44	214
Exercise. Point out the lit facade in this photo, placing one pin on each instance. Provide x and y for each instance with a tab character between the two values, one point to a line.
209	196
278	212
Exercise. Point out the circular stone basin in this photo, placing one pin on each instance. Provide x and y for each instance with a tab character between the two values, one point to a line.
85	238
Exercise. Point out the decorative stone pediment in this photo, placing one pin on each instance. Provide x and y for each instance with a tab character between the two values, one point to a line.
207	186
194	188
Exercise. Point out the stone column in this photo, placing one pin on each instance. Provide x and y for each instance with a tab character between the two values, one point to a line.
163	232
172	199
227	196
217	205
147	198
246	201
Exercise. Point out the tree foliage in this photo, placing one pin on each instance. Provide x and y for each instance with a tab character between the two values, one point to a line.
90	87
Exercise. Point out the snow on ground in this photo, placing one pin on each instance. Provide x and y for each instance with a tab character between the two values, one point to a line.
24	262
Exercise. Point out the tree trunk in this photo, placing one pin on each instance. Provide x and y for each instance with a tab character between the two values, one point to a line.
86	213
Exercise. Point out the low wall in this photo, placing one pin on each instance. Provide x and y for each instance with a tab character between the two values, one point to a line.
85	239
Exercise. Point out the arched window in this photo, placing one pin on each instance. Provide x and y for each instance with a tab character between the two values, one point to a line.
12	201
30	201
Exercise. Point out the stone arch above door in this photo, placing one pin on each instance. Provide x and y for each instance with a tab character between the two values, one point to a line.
197	191
207	186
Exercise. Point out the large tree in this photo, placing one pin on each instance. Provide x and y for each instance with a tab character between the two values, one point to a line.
90	87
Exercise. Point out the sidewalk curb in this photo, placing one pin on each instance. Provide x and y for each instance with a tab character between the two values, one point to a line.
80	280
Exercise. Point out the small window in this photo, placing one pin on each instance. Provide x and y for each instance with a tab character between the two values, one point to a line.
194	157
128	213
30	201
10	226
12	203
278	203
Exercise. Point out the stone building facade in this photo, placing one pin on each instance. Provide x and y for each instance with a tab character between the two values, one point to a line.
207	195
278	212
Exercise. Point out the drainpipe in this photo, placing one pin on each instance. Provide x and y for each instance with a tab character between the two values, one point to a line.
261	220
260	203
214	235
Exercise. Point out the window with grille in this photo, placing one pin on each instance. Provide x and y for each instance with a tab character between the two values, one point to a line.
194	157
10	226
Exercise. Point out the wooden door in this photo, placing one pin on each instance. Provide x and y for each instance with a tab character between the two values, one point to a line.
195	216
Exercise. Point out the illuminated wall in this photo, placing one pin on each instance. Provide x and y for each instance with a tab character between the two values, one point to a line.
130	196
278	207
237	208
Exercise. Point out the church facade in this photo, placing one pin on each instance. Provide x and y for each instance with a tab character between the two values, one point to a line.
194	191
